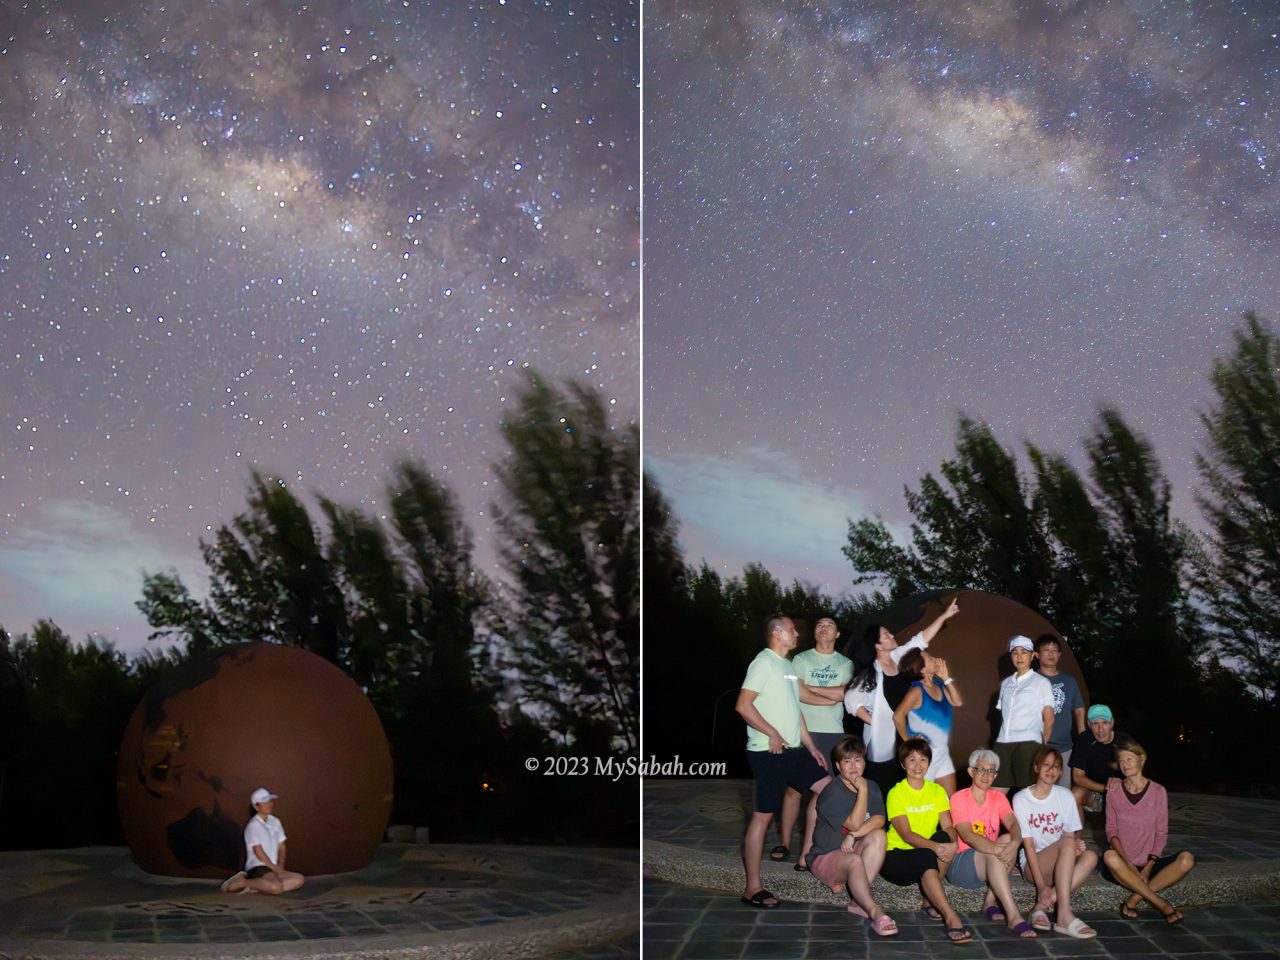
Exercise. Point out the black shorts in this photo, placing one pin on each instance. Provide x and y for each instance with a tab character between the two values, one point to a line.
904	868
774	772
256	872
1108	876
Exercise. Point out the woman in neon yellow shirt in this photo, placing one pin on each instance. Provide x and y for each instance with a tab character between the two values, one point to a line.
922	839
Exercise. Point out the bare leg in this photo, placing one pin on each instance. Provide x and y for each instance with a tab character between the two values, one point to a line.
931	887
753	850
790	814
1123	871
291	881
1063	877
1085	862
859	889
268	883
811	820
872	848
1167	877
990	869
948	783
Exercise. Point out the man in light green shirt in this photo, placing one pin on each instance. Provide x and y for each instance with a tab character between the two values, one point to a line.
822	676
779	748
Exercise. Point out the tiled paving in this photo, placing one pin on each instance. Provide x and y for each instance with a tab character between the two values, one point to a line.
693	880
682	923
522	901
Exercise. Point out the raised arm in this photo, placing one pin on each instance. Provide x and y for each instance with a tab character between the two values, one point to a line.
931	631
949	689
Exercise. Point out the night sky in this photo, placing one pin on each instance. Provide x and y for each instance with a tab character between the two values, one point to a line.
308	237
862	219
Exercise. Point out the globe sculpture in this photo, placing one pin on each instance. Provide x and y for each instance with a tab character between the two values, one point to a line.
975	644
253	715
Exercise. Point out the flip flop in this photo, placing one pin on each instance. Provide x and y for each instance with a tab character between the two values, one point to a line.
1128	912
995	914
1076	928
959	934
930	911
1040	921
884	926
780	853
758	899
801	867
1173	916
1023	930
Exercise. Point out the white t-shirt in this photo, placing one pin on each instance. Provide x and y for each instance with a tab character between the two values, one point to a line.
879	733
1021	705
268	835
1046	821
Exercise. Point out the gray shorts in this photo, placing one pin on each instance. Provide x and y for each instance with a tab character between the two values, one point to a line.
826	742
963	871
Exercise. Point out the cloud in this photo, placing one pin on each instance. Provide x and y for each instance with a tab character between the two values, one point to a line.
752	508
80	564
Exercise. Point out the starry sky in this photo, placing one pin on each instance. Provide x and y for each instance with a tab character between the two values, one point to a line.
312	238
864	218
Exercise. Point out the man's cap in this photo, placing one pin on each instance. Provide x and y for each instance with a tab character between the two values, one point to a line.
261	795
1023	642
1100	711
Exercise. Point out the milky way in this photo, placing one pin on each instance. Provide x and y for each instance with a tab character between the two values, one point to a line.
864	218
308	238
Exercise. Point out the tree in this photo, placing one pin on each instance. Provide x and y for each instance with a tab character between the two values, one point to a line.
570	518
1239	568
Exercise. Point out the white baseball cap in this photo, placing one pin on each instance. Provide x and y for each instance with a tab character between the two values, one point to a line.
261	795
1023	642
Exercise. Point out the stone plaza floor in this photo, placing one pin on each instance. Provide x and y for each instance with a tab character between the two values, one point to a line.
412	901
693	880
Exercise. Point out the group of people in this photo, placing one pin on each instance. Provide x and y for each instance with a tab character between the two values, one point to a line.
887	805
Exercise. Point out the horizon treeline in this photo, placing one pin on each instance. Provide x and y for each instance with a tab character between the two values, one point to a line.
469	675
1177	629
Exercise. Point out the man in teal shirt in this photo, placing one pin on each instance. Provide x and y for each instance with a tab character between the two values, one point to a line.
779	748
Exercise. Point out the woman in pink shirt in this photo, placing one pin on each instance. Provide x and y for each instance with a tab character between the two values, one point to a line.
1137	831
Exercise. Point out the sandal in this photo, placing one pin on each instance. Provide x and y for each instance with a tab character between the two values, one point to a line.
995	914
884	926
801	866
959	934
1076	928
1023	930
780	853
758	899
1040	921
1128	912
930	911
1173	916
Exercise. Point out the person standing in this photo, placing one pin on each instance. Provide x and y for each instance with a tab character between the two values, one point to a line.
876	690
779	748
1068	704
1026	718
822	674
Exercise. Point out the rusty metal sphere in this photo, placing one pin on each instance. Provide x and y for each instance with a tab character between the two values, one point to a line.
253	715
975	644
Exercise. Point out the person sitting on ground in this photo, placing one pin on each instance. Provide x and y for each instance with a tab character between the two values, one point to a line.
1093	760
849	838
986	856
1137	831
926	711
1026	717
1054	857
922	839
264	839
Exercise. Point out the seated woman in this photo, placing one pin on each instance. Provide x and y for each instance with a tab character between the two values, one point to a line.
848	838
1054	857
922	841
1137	830
925	712
986	856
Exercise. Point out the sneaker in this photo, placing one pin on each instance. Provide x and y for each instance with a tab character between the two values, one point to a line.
241	875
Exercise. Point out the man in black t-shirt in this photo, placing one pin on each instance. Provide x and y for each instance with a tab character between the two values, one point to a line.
1093	759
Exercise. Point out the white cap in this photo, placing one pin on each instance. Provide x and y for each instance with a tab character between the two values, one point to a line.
261	795
1023	642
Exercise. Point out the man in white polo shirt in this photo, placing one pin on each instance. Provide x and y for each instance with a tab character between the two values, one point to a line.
264	843
779	748
1026	717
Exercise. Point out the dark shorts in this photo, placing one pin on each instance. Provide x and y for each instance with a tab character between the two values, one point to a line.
1108	876
904	868
1015	764
826	742
774	772
257	872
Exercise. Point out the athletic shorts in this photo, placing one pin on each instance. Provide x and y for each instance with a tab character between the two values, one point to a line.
774	772
1015	764
257	872
826	742
963	871
1161	863
904	868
